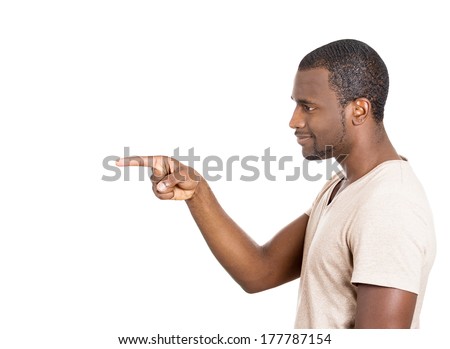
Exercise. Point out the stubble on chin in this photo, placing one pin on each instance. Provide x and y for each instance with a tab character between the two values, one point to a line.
315	154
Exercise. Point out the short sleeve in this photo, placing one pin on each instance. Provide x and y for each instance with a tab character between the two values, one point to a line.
388	244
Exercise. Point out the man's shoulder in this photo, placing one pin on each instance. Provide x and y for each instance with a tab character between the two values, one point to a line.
393	179
394	193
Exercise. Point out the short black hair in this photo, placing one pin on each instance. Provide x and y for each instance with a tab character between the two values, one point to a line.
355	71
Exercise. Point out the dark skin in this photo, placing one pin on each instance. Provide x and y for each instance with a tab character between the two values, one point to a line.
359	144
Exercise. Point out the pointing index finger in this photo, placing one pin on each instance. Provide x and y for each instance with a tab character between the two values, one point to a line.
147	161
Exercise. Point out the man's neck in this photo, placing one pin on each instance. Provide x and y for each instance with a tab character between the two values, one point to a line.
367	155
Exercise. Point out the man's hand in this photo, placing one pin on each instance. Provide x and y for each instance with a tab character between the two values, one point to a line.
171	179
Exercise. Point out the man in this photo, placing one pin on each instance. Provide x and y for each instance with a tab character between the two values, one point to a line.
364	250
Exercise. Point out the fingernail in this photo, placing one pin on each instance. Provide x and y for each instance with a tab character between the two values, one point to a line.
161	186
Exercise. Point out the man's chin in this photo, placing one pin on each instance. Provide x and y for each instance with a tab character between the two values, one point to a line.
316	155
312	157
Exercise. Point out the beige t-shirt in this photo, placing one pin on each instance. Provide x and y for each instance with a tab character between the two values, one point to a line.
378	230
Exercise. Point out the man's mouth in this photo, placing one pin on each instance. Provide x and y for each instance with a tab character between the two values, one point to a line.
302	138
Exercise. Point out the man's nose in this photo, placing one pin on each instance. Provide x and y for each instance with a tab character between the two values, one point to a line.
297	120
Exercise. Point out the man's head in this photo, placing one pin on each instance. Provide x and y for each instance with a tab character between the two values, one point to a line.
356	70
339	85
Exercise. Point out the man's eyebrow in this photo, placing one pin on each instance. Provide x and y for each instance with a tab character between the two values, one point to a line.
302	100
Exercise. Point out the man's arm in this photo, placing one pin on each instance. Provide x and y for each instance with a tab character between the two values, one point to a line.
384	307
254	267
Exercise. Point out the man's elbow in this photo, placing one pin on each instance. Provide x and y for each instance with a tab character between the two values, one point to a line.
251	289
254	287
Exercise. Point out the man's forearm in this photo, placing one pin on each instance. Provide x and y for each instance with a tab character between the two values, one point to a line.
242	257
254	267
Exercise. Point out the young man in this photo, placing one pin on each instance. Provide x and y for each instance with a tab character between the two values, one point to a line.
364	250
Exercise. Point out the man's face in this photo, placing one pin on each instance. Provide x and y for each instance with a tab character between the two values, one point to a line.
318	119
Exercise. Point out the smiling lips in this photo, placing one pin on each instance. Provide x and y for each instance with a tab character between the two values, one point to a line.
303	138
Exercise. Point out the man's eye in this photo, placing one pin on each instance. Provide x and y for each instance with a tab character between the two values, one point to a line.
308	108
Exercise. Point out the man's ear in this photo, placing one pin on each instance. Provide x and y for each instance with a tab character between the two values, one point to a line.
361	108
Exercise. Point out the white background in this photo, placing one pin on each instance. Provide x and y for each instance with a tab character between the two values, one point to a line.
84	260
